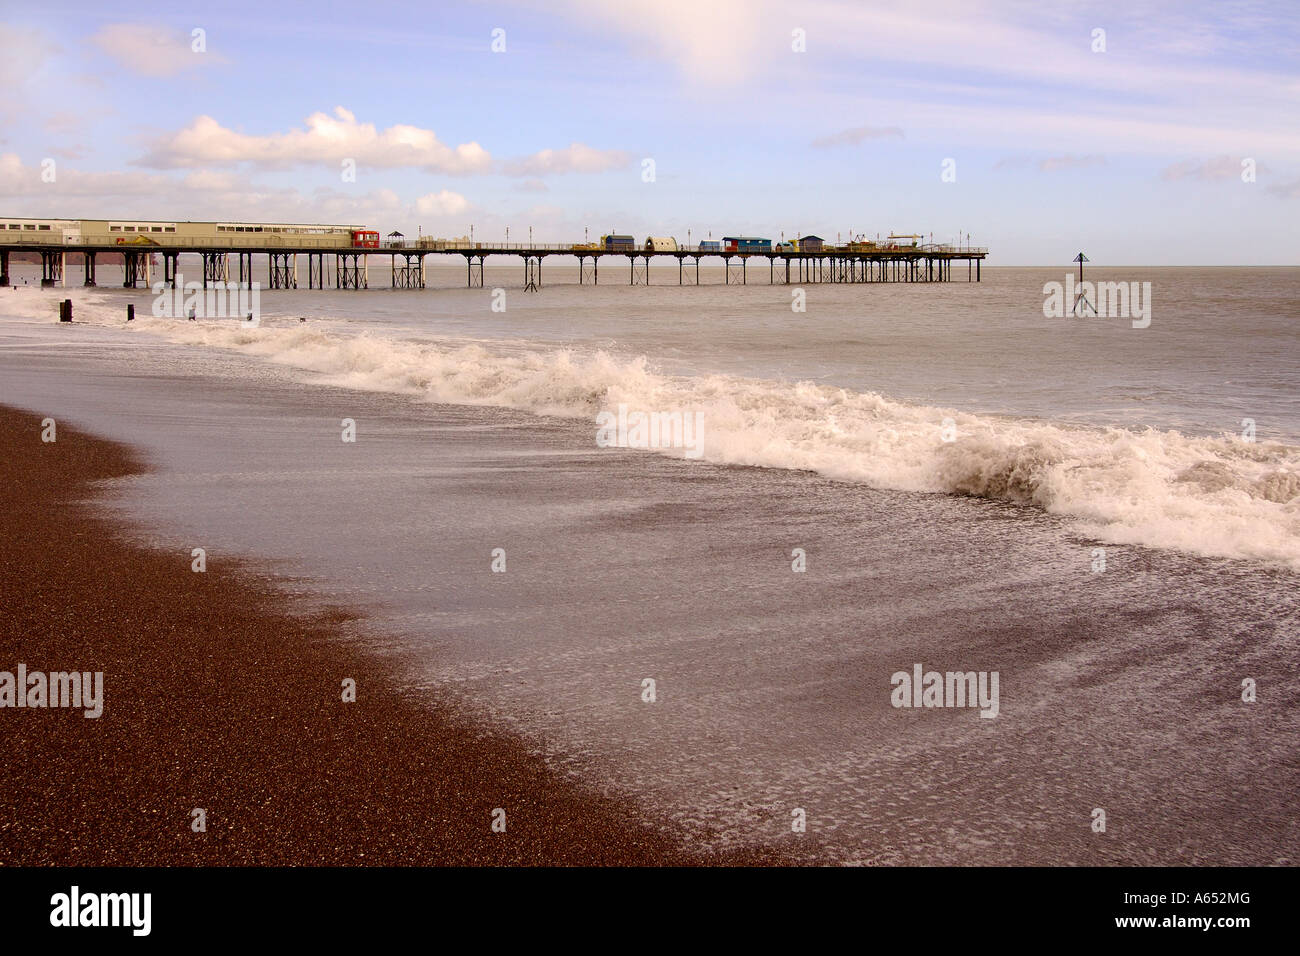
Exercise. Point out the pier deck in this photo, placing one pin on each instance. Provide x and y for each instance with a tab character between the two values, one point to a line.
922	263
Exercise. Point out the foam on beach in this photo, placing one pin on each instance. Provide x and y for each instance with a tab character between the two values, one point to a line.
1215	496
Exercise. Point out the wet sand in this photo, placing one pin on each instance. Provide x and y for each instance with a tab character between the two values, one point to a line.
217	698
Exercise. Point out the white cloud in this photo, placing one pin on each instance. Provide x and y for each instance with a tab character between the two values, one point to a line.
1070	161
1289	190
200	195
18	180
851	137
326	139
64	122
444	203
26	50
1218	168
152	50
574	158
210	179
712	42
1051	164
1000	71
69	152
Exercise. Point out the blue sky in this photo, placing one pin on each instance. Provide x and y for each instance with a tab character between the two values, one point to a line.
1134	153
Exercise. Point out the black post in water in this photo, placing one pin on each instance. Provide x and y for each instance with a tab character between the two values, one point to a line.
130	313
65	310
1081	299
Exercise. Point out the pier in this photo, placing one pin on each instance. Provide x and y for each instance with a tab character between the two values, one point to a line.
856	263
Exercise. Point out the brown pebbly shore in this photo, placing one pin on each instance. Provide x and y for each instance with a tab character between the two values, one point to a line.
216	697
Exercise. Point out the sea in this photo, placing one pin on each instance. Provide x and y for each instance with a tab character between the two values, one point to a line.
874	480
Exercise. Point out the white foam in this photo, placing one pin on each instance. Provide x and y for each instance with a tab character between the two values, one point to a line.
1209	496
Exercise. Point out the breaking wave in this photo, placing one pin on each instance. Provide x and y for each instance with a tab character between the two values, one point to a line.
1212	496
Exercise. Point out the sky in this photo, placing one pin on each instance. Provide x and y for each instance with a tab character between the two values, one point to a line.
1142	133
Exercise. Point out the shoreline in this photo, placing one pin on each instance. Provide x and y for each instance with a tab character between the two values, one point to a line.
217	698
1121	689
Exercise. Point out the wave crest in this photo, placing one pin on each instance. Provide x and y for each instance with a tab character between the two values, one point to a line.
1212	496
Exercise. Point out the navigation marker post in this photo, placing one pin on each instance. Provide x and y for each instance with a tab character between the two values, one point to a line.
1081	298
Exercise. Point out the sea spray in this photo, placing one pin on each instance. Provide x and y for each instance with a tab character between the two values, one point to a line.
1217	496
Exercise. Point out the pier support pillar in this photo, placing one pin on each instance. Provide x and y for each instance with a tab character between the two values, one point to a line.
474	272
532	273
639	272
4	268
170	270
51	269
351	271
283	268
315	270
409	275
216	268
245	268
736	270
89	269
586	271
135	269
977	269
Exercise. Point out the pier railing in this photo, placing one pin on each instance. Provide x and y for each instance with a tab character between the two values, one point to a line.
341	244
